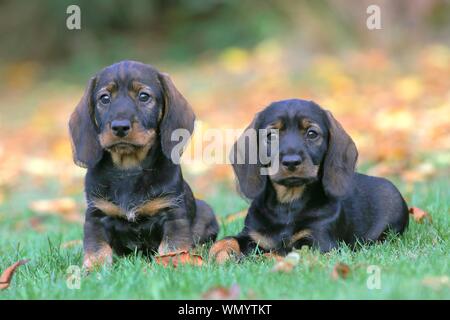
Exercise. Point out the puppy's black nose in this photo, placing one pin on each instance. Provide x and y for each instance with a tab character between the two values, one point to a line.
291	161
121	128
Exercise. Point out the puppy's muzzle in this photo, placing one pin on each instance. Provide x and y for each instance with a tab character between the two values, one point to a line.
291	162
121	128
295	170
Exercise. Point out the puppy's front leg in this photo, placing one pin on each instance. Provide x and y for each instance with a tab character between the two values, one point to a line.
177	236
324	242
97	251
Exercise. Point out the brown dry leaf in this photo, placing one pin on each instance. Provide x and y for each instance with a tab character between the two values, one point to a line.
71	244
221	293
419	215
6	276
63	207
340	270
283	266
35	223
288	263
436	283
419	173
272	255
176	258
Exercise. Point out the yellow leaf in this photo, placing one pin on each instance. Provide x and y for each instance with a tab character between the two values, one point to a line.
409	88
401	119
235	60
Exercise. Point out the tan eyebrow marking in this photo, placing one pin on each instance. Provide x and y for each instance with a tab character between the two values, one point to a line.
136	86
275	125
306	123
112	86
109	88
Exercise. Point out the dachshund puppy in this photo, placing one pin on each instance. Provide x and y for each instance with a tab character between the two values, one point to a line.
315	198
137	198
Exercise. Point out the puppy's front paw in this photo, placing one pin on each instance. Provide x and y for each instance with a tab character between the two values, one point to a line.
93	260
224	250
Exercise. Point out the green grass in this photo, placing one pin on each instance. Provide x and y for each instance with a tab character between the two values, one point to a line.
423	251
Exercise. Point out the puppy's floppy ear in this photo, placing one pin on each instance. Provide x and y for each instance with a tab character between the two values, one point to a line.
178	114
251	182
340	160
86	149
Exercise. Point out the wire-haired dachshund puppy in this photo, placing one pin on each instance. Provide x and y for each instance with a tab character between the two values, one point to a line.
315	198
137	198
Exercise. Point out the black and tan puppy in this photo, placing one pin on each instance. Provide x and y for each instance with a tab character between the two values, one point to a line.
315	198
136	195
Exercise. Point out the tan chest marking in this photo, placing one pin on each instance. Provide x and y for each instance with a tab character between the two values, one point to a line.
130	160
288	195
152	207
127	158
108	208
148	208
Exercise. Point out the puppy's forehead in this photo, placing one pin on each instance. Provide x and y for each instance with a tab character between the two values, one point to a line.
294	109
125	72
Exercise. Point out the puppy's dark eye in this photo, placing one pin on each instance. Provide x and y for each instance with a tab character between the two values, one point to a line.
144	97
312	134
105	99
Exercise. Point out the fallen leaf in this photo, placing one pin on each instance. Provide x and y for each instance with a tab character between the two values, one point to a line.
419	215
275	256
71	244
340	270
419	173
63	207
288	263
436	283
6	276
176	258
283	266
221	293
35	223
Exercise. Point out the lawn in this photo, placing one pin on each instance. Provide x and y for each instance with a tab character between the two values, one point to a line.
416	265
389	89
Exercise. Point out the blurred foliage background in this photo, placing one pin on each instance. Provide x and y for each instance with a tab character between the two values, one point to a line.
390	88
